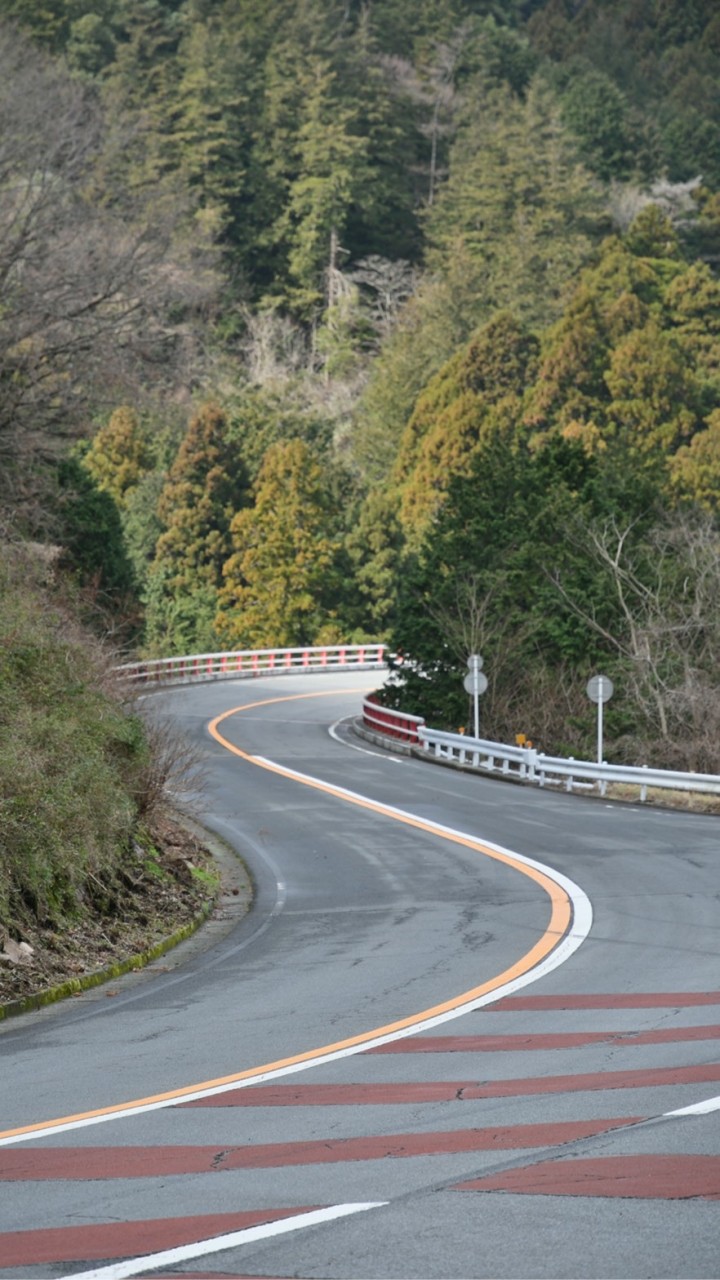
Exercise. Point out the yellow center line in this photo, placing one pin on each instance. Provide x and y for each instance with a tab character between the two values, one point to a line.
561	913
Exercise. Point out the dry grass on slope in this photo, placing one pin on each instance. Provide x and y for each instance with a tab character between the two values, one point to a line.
93	870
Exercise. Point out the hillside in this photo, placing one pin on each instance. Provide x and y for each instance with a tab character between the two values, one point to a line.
94	870
325	321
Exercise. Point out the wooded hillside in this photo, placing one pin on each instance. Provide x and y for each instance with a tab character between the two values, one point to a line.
327	320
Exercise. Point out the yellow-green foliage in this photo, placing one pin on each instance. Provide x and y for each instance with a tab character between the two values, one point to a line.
282	554
475	395
71	760
118	457
634	363
695	468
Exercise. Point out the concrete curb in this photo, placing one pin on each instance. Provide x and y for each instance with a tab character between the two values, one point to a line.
382	739
73	986
387	743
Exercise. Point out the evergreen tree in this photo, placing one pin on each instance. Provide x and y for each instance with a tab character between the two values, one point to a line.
632	366
498	542
119	456
374	547
210	123
520	203
382	217
139	90
437	319
48	21
142	526
664	58
618	295
695	468
476	395
91	534
655	402
205	486
693	301
279	575
92	42
301	48
597	114
261	417
332	175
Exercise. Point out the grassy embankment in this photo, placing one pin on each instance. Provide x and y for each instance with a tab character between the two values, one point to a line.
92	868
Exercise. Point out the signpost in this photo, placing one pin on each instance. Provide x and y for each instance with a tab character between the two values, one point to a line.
600	689
475	684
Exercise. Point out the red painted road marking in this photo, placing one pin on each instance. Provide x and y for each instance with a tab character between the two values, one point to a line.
92	1242
636	1177
329	1095
649	1000
80	1163
343	1095
553	1040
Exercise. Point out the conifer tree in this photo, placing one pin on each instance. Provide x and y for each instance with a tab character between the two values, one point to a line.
139	88
382	218
331	176
596	112
654	405
436	321
205	486
279	575
695	468
118	456
210	122
520	203
498	538
477	395
91	533
374	546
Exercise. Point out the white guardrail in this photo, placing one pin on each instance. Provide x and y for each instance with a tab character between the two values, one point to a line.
254	662
526	764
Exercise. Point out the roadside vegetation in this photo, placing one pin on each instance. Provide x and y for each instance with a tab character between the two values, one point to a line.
93	868
324	322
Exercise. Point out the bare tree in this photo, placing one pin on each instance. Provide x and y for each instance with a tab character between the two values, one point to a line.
86	292
667	636
677	200
387	285
442	96
434	93
275	348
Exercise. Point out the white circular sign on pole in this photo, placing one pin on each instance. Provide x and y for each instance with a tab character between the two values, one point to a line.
600	688
475	682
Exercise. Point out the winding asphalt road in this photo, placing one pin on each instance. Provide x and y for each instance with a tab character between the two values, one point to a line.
467	1030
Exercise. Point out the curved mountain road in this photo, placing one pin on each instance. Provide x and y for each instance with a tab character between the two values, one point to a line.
449	1041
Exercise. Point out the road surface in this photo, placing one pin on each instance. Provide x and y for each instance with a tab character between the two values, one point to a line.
467	1030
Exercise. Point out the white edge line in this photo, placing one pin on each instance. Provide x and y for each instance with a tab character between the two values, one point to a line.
696	1109
353	746
183	1253
582	923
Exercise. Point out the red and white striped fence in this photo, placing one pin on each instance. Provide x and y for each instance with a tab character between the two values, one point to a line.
254	662
396	724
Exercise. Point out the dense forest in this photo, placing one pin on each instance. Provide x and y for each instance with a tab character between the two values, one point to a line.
325	320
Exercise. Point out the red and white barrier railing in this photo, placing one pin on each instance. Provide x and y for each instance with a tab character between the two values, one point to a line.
396	724
526	763
254	662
